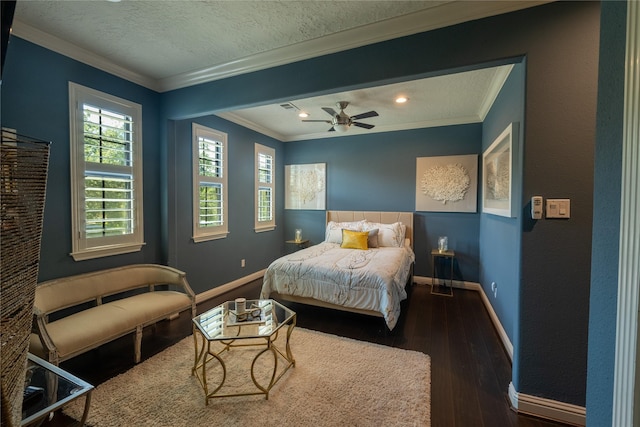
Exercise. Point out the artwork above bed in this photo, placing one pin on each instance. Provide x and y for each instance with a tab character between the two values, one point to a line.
363	265
305	186
447	183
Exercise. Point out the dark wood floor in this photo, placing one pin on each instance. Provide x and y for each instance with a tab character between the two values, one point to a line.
470	371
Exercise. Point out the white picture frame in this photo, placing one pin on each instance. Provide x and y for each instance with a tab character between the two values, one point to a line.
447	183
497	174
305	186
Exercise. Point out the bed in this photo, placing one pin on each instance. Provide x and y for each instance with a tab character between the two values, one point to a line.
340	274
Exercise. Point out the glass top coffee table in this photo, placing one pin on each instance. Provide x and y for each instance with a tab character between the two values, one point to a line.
222	336
48	388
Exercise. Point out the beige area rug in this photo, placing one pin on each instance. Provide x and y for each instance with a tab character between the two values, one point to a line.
336	381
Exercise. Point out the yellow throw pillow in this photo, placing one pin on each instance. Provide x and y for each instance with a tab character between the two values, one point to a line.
354	239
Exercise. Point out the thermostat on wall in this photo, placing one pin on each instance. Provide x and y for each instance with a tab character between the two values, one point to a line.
558	208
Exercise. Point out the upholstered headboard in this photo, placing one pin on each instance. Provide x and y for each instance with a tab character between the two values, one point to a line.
405	218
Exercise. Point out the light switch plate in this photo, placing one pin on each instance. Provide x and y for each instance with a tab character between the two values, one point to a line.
558	208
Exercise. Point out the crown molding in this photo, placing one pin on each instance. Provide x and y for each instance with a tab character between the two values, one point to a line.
499	78
232	117
53	43
442	14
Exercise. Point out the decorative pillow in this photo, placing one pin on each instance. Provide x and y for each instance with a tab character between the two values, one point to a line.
372	240
389	235
333	233
354	239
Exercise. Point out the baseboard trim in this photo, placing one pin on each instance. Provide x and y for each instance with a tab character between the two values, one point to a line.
522	403
546	408
473	286
219	290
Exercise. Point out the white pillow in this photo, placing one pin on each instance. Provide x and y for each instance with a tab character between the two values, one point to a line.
372	241
333	233
389	235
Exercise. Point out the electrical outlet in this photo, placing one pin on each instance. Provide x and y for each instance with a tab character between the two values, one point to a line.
242	263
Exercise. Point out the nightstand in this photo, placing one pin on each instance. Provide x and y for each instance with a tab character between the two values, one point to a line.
299	243
442	289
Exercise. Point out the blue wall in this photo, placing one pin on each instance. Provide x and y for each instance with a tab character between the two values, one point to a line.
216	262
378	172
606	215
560	110
559	41
35	102
500	236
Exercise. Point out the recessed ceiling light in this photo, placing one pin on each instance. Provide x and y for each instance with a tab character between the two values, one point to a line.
401	99
302	114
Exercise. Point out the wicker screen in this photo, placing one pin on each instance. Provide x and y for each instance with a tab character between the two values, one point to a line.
23	177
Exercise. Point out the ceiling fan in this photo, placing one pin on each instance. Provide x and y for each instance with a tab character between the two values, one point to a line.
341	121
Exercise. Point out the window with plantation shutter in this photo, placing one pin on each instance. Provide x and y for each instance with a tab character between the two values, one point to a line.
209	184
265	188
106	171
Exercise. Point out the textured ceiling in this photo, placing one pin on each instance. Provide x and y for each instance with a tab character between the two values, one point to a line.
436	101
199	34
165	45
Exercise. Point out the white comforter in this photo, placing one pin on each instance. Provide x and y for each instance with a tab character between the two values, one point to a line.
372	279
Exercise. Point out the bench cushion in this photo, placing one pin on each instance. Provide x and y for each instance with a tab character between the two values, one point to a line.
95	326
152	306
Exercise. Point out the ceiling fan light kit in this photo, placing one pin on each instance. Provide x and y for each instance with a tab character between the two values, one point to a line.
340	122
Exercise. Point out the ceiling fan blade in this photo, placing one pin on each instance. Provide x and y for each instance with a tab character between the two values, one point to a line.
330	111
322	121
364	115
363	125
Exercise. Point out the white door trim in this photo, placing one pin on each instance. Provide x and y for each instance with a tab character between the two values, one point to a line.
629	250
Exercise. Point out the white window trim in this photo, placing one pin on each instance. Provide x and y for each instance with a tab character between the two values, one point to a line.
81	247
262	226
203	234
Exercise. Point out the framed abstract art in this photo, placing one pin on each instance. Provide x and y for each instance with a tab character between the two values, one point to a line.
305	186
497	174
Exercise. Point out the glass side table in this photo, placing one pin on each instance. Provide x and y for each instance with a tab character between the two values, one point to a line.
442	288
48	388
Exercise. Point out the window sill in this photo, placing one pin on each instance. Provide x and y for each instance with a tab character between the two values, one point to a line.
105	251
264	228
205	238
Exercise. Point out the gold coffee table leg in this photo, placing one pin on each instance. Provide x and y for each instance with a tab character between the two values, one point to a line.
288	346
202	357
273	373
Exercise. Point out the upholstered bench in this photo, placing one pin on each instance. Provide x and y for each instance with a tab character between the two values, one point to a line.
75	314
